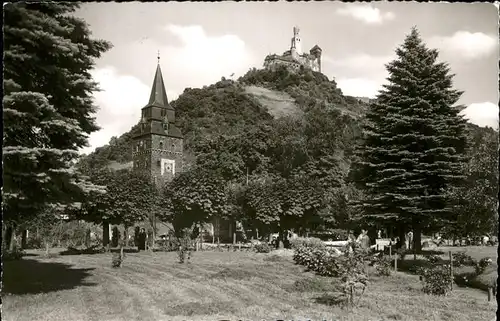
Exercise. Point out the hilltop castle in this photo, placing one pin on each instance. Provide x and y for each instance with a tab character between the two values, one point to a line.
295	58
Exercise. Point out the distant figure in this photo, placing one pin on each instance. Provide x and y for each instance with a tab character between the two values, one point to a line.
410	240
142	240
485	240
379	234
364	240
350	237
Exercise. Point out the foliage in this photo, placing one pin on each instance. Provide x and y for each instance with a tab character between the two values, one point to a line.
414	141
117	260
436	279
310	242
12	255
476	199
262	248
483	264
462	259
354	278
194	197
434	259
130	198
48	106
185	241
383	265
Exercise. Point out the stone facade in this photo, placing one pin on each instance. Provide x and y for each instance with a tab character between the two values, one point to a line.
295	58
159	156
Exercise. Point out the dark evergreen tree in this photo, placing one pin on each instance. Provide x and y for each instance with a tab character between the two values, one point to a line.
48	105
414	144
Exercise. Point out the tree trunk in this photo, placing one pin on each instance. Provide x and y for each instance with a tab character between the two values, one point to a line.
12	238
7	236
372	234
47	246
401	235
125	236
87	238
417	236
24	239
105	233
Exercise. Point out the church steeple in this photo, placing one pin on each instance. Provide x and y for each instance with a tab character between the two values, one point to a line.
158	95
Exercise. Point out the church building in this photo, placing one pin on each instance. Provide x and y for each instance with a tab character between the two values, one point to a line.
158	149
158	145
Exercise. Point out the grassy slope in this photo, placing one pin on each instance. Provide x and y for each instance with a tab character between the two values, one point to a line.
230	285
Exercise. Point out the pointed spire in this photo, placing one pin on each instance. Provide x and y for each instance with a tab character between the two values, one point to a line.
158	93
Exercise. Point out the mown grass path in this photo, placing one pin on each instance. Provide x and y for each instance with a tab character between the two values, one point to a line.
215	286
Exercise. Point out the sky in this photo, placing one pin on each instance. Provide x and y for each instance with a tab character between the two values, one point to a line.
201	42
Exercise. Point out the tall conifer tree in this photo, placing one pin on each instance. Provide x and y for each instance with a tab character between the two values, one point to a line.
48	105
414	142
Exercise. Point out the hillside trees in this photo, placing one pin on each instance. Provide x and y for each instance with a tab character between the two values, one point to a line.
414	142
48	55
477	198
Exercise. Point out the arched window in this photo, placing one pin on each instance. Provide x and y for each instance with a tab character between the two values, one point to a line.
137	148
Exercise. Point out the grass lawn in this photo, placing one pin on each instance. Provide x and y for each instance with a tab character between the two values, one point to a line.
215	286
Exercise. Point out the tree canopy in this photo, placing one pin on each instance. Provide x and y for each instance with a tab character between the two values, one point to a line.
414	141
48	106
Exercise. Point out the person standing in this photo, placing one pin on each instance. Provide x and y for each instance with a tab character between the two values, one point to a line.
364	240
410	240
142	240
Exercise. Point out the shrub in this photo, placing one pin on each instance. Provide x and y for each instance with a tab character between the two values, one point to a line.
483	264
117	260
436	279
433	259
262	248
462	259
354	278
14	255
34	243
168	245
383	265
307	242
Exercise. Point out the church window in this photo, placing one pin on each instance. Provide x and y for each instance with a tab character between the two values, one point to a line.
137	148
165	126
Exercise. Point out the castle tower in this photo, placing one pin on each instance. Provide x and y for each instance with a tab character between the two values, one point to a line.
158	145
316	53
296	47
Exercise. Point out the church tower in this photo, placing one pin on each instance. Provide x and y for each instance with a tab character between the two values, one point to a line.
158	145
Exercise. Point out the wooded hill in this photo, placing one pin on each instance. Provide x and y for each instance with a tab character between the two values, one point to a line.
230	107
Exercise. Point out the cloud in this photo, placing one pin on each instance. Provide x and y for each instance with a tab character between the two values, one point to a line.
359	75
202	59
366	13
119	101
466	44
482	114
196	60
359	87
